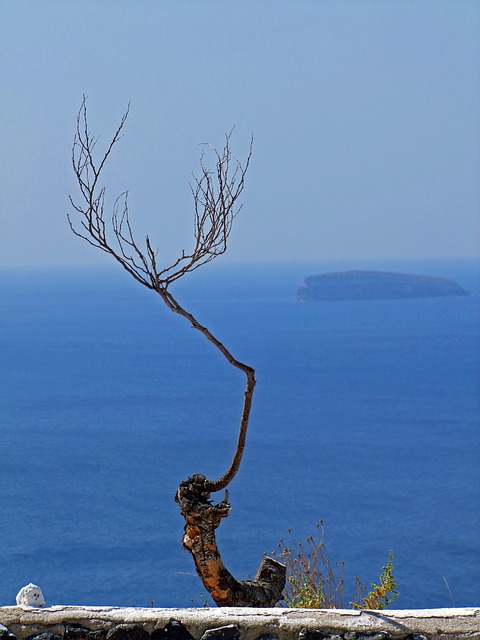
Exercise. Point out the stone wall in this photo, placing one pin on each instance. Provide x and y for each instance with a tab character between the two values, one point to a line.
115	623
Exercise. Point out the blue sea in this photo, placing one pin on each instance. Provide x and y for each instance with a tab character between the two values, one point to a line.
366	416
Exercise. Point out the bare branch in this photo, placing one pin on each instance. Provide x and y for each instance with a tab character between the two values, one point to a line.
215	195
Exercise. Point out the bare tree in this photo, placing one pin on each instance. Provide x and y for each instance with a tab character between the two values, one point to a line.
215	194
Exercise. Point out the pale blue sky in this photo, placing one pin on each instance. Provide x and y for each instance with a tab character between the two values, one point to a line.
365	115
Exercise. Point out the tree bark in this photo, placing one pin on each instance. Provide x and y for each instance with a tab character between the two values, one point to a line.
201	519
215	195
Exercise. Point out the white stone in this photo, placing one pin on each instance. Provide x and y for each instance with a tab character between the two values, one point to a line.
30	596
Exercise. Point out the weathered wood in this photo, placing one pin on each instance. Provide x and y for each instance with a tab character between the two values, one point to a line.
215	195
202	517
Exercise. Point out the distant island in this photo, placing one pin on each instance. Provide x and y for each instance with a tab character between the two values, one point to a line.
376	285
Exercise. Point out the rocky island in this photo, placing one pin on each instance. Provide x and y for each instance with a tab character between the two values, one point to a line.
376	285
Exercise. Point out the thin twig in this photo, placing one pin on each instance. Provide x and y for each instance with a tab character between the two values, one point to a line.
215	195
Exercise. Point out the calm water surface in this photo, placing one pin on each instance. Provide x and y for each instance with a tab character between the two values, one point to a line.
366	415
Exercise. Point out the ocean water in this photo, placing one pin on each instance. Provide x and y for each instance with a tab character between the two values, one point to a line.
366	415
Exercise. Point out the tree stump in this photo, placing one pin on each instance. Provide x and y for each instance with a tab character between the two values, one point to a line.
202	517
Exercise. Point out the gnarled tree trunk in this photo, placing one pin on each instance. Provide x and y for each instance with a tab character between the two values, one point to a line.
201	519
215	196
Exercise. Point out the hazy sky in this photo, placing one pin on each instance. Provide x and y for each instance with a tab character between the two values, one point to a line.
365	115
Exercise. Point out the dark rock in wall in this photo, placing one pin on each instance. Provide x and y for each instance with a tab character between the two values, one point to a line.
313	634
173	631
6	634
228	632
322	634
77	632
128	632
46	635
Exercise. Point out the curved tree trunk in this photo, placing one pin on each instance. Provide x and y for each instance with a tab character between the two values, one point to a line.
201	519
215	195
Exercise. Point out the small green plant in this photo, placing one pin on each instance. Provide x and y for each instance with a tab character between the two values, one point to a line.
381	594
306	597
315	582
